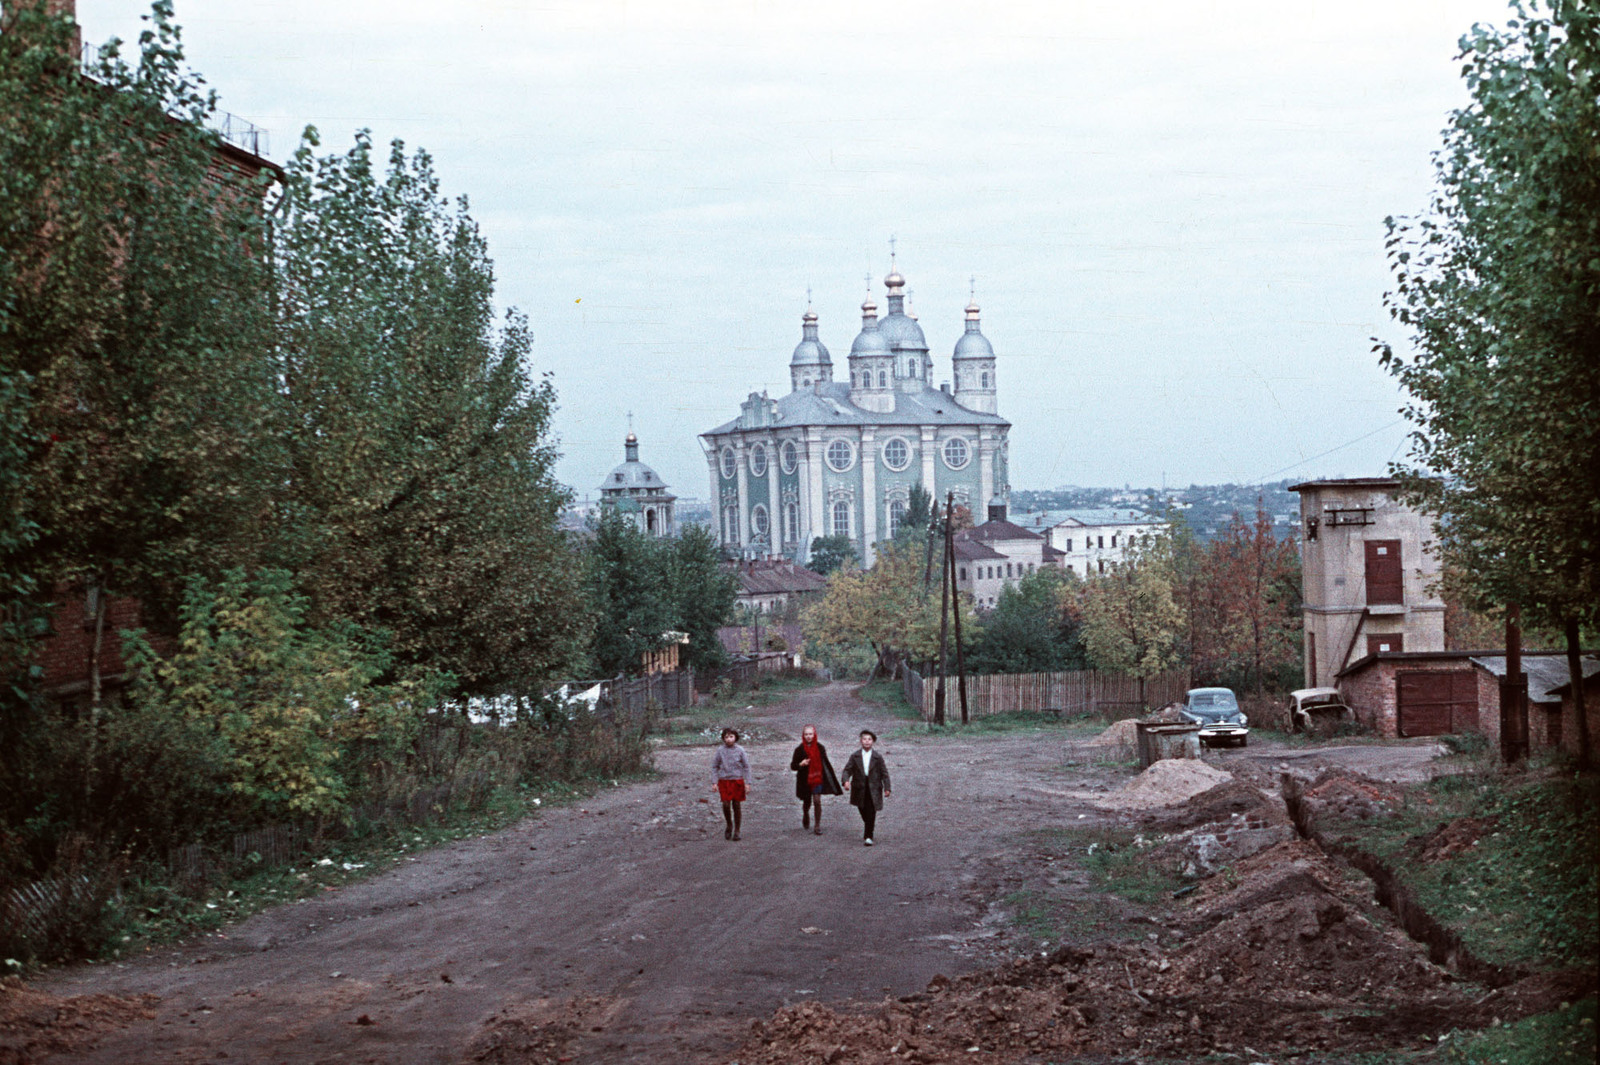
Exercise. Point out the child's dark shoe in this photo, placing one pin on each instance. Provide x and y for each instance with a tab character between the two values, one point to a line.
727	833
736	837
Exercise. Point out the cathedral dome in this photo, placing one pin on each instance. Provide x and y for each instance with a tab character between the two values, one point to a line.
902	332
810	351
870	341
973	344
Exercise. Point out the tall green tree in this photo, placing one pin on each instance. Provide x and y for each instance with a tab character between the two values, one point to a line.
1498	283
133	323
1132	622
422	500
1033	628
831	553
882	608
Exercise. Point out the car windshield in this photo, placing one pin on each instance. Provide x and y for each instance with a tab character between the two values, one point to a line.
1212	701
1320	702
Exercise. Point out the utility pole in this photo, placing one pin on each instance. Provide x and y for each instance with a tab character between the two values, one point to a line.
955	605
1514	692
944	626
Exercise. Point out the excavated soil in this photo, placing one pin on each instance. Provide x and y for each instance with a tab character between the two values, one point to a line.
1285	955
35	1024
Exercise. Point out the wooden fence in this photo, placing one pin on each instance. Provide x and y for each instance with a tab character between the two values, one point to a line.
1110	695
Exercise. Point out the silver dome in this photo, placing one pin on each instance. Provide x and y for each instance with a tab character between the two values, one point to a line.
902	332
973	345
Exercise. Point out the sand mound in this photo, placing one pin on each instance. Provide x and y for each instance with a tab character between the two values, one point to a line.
1124	733
1166	783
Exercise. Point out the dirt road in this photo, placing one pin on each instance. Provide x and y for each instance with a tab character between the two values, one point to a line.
675	938
630	929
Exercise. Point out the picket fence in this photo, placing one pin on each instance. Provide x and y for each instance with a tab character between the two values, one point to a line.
1109	695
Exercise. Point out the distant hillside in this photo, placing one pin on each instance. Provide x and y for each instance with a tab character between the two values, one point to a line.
1208	508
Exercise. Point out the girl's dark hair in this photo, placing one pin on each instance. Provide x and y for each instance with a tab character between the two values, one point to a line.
735	734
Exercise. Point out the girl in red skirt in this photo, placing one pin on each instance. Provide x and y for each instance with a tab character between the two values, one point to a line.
730	772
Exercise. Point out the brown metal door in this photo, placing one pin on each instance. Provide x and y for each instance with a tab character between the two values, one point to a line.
1386	644
1385	574
1433	703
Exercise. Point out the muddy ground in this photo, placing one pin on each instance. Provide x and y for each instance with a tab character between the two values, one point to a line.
625	929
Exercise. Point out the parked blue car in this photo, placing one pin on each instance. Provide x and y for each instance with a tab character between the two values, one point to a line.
1216	711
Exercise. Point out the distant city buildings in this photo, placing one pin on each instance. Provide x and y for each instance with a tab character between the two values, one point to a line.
839	458
1092	541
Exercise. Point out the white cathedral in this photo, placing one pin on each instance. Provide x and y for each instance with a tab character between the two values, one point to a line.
840	458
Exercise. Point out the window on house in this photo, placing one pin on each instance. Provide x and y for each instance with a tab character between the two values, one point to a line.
841	518
1102	565
963	572
1008	569
1100	541
1113	539
1069	543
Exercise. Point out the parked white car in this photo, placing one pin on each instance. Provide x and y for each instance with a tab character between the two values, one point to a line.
1318	708
1216	711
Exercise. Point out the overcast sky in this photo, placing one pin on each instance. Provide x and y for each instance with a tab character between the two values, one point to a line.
1173	210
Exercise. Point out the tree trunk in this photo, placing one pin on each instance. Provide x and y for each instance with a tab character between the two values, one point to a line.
94	690
1575	671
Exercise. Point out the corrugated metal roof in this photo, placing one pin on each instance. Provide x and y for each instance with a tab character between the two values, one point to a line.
828	403
1545	672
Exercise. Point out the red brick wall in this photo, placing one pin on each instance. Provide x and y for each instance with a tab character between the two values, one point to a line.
64	654
1591	710
1374	694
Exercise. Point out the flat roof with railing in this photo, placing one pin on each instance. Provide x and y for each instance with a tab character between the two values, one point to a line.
239	132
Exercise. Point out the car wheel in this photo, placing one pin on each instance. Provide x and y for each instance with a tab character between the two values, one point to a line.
1244	741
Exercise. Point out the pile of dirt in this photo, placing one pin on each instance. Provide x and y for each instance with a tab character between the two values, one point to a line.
1341	795
1166	783
537	1033
35	1025
1282	956
1124	733
1450	839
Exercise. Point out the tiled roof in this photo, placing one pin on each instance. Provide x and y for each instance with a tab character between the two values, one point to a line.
973	551
993	531
778	578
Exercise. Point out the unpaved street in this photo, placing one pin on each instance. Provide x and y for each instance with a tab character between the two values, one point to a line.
632	898
629	920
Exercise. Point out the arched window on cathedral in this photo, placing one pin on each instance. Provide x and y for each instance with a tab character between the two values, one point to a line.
841	518
730	525
883	378
897	514
650	520
791	522
983	380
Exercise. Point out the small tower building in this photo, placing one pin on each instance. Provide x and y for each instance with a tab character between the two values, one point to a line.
638	492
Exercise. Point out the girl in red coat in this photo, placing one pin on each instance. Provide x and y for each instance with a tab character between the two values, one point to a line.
813	777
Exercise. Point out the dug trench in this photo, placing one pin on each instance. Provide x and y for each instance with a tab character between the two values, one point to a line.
986	926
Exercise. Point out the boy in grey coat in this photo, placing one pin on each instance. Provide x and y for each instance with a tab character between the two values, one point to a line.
866	774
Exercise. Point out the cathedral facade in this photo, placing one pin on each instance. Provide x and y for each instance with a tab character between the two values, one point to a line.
840	457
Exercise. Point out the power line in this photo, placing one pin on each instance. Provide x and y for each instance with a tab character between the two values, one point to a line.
1295	465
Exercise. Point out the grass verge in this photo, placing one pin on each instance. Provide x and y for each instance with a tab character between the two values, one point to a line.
889	695
1567	1035
1507	861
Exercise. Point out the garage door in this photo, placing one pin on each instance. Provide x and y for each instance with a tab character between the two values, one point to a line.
1433	703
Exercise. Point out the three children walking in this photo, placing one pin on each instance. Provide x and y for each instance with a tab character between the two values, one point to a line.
865	772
